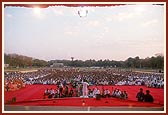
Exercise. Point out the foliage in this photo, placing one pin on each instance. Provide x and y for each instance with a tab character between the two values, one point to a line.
15	60
154	62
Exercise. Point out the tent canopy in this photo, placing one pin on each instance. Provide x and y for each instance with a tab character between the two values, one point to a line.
68	5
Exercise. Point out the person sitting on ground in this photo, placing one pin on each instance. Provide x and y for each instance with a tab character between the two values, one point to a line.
140	95
66	91
98	94
122	96
107	93
63	95
148	97
71	93
77	91
46	92
61	89
56	94
103	91
125	95
50	95
118	93
90	94
94	92
52	91
114	93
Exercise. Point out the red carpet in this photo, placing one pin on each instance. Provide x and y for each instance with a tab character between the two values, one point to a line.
87	102
28	95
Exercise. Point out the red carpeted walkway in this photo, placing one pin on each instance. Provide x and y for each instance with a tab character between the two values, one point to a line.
33	95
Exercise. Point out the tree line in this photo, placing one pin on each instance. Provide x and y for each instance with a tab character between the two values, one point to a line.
15	60
154	62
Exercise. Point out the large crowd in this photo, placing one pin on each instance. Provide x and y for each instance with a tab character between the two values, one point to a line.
65	77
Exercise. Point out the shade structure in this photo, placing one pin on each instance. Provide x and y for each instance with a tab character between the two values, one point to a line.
68	5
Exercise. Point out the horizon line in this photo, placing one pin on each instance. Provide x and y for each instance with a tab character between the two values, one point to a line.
154	55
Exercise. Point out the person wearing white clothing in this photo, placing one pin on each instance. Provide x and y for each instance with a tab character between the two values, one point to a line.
107	93
85	89
97	92
94	92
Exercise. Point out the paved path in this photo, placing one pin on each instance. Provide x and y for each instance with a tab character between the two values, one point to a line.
70	108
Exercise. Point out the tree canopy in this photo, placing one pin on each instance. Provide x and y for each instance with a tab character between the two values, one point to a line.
154	62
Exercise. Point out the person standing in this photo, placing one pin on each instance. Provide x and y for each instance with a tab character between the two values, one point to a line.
85	89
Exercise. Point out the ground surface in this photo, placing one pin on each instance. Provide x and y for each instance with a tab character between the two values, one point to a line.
30	98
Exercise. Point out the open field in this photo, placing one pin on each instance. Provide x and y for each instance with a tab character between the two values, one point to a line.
21	69
127	69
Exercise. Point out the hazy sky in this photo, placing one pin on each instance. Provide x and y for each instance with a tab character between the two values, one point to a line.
116	32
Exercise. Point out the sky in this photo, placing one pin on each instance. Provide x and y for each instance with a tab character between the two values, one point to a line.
58	32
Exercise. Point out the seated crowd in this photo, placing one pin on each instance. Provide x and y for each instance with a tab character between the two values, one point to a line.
105	93
93	76
62	91
69	81
74	76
